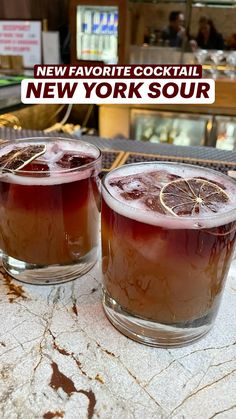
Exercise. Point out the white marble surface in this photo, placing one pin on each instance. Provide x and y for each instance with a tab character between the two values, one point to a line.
61	358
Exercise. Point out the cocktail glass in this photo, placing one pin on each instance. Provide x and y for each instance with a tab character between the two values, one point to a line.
168	237
49	208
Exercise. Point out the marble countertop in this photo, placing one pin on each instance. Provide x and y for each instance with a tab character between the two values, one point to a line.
61	358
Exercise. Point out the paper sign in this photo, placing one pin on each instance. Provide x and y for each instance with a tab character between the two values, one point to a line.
22	37
51	48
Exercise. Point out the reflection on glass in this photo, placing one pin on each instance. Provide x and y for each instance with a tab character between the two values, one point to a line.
231	64
226	133
168	128
216	57
201	56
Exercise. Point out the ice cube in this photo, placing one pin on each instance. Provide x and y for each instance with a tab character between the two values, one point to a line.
40	167
128	183
71	161
153	203
145	187
160	178
134	194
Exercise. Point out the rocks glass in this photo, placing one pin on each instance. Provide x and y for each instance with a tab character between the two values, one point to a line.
49	208
168	237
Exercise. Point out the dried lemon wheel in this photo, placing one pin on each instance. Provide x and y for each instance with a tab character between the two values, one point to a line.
193	196
18	158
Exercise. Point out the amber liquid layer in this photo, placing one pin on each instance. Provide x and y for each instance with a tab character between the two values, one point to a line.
165	275
49	224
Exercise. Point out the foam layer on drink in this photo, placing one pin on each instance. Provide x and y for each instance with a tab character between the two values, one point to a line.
134	192
59	164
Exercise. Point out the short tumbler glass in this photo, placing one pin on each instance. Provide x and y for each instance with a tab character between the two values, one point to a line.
49	208
168	236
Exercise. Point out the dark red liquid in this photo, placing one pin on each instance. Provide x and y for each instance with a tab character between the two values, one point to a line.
166	275
49	224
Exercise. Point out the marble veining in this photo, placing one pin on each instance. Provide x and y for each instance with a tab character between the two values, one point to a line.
61	358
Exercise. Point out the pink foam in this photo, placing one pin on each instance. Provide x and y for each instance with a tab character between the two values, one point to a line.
144	172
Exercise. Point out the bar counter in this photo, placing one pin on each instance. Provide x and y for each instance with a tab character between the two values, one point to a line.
61	358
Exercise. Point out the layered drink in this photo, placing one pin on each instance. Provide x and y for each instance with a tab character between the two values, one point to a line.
49	208
168	236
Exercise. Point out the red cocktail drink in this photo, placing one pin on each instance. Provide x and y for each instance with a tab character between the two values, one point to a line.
49	210
168	235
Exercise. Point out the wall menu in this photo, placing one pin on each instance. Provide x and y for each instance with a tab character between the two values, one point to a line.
22	37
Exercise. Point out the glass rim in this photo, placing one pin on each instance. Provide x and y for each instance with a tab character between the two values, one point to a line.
180	220
41	139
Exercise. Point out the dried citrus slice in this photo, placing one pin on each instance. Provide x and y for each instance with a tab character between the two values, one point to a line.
19	157
193	196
